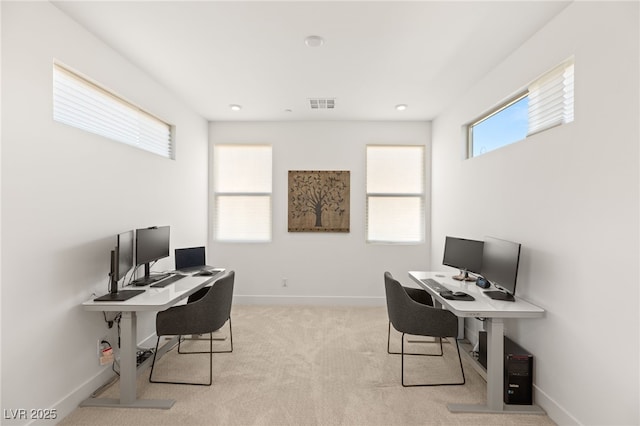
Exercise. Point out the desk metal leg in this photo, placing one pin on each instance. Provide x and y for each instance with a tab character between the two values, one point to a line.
128	325
128	376
495	364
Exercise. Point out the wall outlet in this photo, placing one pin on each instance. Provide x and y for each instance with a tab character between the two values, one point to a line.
105	352
99	352
284	282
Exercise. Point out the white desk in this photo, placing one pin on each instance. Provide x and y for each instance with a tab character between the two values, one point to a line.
495	311
153	299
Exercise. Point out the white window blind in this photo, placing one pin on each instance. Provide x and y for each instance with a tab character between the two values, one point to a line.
551	98
395	193
242	185
81	103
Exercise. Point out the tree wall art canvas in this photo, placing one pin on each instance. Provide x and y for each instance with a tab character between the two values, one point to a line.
319	201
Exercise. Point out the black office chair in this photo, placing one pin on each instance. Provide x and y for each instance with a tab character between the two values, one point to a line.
420	296
411	317
207	312
197	296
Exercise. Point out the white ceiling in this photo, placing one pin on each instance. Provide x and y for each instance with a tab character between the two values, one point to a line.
376	54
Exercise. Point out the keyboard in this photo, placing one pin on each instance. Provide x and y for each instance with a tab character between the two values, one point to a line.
149	280
165	282
434	285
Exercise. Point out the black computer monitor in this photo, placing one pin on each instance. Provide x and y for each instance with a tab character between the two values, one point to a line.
464	254
121	263
121	259
125	253
500	262
151	244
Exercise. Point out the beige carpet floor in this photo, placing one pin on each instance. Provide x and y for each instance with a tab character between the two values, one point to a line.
306	365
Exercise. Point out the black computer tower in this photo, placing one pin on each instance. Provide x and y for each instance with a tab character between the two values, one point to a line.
518	370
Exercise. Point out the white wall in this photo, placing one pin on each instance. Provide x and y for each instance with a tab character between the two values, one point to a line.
570	196
320	267
66	194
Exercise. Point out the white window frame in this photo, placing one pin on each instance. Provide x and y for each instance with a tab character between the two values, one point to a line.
550	103
229	201
418	195
86	105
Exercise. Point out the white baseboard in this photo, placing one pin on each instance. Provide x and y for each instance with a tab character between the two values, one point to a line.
308	300
557	413
71	401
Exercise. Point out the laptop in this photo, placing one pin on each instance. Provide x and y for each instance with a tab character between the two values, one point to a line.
191	260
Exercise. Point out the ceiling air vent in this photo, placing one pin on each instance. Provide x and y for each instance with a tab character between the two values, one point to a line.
322	103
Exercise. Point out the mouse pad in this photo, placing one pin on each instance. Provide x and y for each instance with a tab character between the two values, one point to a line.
450	296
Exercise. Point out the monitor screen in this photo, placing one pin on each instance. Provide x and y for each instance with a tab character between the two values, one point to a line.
500	263
152	244
125	253
463	254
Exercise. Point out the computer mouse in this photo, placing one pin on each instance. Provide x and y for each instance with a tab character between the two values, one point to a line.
459	293
206	273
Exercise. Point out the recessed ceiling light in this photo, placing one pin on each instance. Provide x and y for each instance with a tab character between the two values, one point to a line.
401	107
314	41
235	107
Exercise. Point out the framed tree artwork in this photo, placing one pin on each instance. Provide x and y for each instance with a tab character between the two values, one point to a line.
319	201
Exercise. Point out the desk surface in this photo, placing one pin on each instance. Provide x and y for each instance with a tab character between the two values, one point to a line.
483	306
155	298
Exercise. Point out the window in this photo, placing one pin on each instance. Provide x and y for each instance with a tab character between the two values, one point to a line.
81	103
242	193
506	125
395	193
546	103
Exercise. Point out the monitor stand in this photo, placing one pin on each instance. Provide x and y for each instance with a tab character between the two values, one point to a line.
463	276
119	296
500	295
114	294
148	278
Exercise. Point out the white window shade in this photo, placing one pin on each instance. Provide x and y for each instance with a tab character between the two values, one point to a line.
395	219
85	105
242	168
395	169
242	182
551	98
243	218
395	194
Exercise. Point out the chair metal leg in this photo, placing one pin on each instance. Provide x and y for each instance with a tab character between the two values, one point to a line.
430	384
185	383
398	353
215	352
